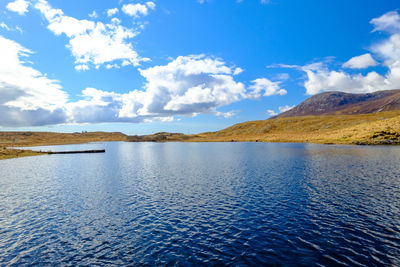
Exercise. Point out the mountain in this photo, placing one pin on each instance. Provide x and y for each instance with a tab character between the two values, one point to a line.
329	118
339	103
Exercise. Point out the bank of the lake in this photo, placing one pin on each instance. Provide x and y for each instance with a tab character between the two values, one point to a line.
381	128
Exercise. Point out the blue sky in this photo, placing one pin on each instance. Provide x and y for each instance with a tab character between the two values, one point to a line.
185	66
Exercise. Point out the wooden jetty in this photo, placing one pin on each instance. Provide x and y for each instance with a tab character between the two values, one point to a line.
77	151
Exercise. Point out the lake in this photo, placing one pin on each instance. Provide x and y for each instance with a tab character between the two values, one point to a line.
202	204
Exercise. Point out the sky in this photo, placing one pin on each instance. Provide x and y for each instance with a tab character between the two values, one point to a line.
189	66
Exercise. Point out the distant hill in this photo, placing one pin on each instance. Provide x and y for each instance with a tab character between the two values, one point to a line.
11	139
339	103
331	117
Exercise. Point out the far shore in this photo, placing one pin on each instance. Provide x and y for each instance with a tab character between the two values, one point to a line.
381	128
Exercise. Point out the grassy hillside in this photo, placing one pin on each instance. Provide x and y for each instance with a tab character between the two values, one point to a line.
16	153
18	139
21	139
375	128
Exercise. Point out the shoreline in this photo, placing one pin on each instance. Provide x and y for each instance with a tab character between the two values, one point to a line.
366	129
14	152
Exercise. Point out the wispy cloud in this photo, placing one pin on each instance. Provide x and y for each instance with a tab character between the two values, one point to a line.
271	112
285	108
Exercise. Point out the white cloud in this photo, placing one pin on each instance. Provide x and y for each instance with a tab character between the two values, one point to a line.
185	86
27	97
17	28
8	28
5	26
81	67
96	107
94	14
18	6
389	22
228	114
320	78
238	71
151	5
265	87
360	62
112	12
285	108
271	113
188	85
135	10
92	42
282	76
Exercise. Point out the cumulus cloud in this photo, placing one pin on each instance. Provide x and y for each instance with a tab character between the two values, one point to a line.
320	78
186	86
96	106
18	6
92	43
27	97
360	62
112	12
265	87
136	10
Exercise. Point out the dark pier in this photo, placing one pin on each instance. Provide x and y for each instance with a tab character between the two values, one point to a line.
78	151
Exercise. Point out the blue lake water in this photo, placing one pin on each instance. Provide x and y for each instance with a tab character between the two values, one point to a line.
203	204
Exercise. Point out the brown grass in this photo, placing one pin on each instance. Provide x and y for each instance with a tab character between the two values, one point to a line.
337	129
18	139
26	139
375	128
16	153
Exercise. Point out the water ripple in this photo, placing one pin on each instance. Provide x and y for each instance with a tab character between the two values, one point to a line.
203	204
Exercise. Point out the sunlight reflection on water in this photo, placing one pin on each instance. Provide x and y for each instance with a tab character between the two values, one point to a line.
202	203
